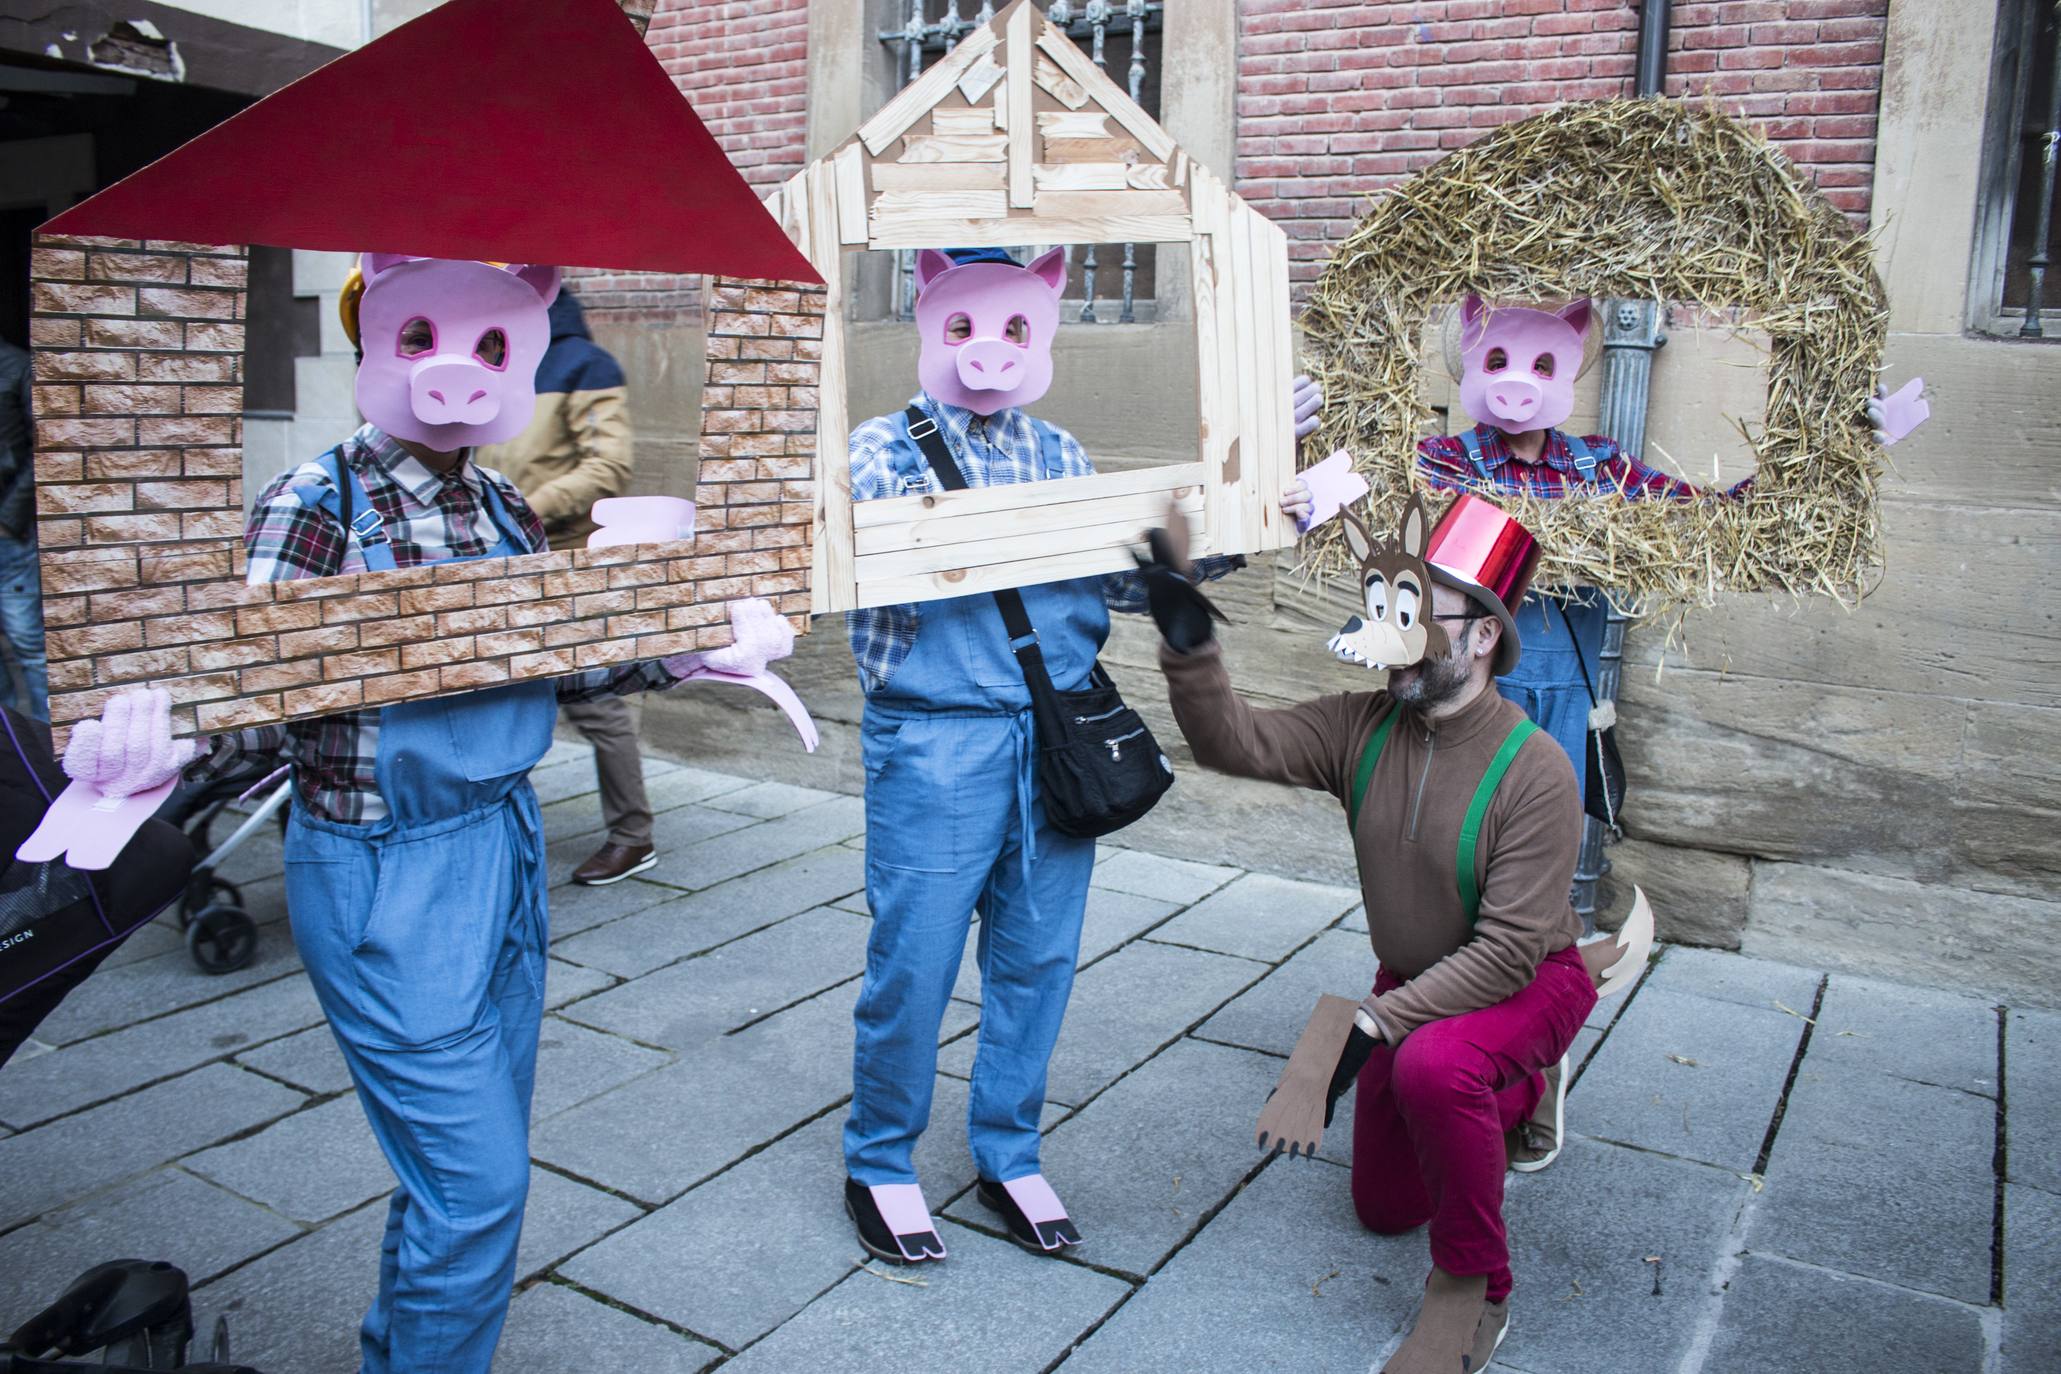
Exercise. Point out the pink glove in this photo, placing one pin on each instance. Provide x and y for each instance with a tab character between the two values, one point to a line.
130	748
760	635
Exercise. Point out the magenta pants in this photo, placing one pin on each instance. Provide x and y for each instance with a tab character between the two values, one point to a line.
1429	1116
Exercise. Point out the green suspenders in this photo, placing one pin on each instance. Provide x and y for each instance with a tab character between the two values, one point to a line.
1470	829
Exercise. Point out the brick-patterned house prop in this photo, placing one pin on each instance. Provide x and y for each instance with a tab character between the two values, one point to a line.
1016	139
138	348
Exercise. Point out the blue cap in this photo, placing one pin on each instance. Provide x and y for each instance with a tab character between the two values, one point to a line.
962	256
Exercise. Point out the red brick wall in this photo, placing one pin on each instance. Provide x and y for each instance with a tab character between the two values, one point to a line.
1338	100
743	65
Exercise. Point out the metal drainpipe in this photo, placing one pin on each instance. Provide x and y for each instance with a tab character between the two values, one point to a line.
1631	336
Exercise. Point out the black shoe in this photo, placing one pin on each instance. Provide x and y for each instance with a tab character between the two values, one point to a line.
1039	1237
880	1241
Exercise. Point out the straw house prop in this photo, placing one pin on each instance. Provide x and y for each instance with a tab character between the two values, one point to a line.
1646	199
138	354
1015	139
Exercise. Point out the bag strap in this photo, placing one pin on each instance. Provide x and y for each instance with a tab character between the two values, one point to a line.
338	500
1363	777
1470	829
1580	662
1023	637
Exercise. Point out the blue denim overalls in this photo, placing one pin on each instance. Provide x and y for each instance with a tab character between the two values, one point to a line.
953	824
1547	681
424	934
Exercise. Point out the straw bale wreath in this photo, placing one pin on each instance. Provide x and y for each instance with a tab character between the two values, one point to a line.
1645	199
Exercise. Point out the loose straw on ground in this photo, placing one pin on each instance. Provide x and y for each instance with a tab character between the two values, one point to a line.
1645	199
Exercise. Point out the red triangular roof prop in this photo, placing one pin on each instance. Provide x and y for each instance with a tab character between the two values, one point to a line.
506	130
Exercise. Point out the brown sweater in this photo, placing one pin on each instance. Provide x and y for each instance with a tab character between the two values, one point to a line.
1407	842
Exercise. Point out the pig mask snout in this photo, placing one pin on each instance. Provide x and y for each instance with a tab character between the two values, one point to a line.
991	365
452	391
1515	399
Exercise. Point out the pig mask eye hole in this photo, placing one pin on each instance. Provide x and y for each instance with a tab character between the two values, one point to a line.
418	337
1496	360
958	329
1018	331
1543	365
492	349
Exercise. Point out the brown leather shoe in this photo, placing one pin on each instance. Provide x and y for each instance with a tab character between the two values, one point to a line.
614	862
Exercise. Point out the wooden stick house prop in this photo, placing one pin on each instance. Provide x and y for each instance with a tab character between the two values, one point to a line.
1014	140
536	131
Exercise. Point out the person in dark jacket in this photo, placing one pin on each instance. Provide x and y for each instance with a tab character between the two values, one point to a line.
21	589
576	451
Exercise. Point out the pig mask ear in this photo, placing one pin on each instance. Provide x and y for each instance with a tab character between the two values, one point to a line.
930	265
1577	314
543	280
1050	268
1473	320
372	264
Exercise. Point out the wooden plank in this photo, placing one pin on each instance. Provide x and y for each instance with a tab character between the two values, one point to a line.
917	98
955	148
1001	105
980	78
1059	85
1111	205
1150	176
1211	419
933	530
1267	444
902	509
1236	356
1125	150
1081	176
832	582
890	177
1180	168
1018	119
978	120
1015	548
1028	231
920	205
850	184
1278	467
1104	92
1064	124
1029	572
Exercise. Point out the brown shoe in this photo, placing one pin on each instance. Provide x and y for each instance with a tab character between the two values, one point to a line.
614	862
1538	1136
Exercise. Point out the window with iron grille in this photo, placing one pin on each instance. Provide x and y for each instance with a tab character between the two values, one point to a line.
1108	283
2013	289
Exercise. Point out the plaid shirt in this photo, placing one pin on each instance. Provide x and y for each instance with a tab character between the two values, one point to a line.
429	518
992	451
1443	460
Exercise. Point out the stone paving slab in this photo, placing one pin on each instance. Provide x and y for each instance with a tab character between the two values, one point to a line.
765	800
688	924
1728	978
1141	1165
308	1059
575	1065
734	984
1778	1316
1285	1278
574	909
2032	1060
1156	876
78	1155
1123	1010
2032	1298
311	1166
690	825
708	862
972	1306
95	1070
563	1217
566	983
1715	1109
169	982
554	1330
1258	917
1113	920
1915	1034
745	1251
1579	1235
168	1215
1884	1178
297	1308
686	784
1270	1016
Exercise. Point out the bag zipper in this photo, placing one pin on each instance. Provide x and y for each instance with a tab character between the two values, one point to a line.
1417	806
1116	746
1090	720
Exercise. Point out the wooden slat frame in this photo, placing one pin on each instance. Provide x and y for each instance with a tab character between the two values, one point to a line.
954	543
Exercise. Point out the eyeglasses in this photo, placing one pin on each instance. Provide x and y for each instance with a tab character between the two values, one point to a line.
1460	615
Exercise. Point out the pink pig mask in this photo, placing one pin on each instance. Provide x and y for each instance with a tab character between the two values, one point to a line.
451	348
987	329
1518	365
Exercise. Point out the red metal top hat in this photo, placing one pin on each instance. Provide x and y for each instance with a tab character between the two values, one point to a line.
1478	548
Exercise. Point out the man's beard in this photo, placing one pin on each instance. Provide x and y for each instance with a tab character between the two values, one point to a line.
1432	682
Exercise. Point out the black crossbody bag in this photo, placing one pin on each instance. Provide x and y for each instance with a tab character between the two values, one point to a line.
1099	768
1603	794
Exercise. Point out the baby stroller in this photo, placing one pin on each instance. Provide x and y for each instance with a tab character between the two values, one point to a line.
135	1313
220	935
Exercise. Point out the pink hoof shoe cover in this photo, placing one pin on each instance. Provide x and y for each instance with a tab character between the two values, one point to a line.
907	1215
90	829
1043	1210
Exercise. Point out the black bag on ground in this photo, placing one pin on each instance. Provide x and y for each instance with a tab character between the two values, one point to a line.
1099	768
1603	792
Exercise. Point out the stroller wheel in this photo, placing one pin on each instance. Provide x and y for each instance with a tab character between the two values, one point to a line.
222	939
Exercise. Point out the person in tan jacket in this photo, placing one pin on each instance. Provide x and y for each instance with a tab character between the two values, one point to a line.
1464	819
576	451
